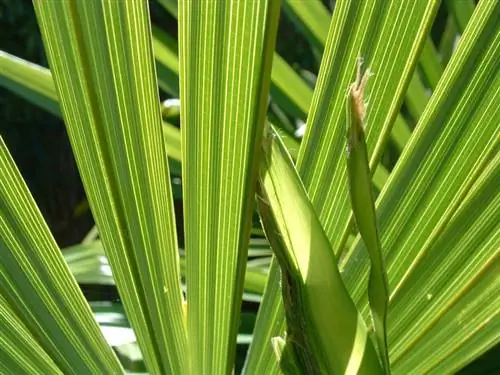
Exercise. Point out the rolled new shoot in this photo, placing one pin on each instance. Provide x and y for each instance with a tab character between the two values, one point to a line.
325	332
363	206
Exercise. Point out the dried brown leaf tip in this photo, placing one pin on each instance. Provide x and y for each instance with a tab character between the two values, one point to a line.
357	91
356	107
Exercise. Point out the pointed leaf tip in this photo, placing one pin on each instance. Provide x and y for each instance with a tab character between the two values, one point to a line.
357	104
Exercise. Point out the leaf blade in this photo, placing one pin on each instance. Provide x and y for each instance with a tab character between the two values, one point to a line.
321	154
37	286
434	175
116	136
222	116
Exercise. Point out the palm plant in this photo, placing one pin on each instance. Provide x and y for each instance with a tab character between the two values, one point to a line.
435	212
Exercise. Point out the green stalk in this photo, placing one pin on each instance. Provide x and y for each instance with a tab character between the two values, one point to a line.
363	206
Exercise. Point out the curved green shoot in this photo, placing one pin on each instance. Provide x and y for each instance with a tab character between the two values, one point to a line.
363	206
325	333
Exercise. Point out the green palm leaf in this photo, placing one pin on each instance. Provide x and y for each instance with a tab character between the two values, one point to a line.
30	81
21	353
312	19
89	265
288	90
433	179
114	125
225	77
259	357
389	39
460	308
39	298
430	62
437	215
35	83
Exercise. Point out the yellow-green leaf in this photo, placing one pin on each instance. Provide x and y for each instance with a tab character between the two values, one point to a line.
38	291
226	51
101	57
